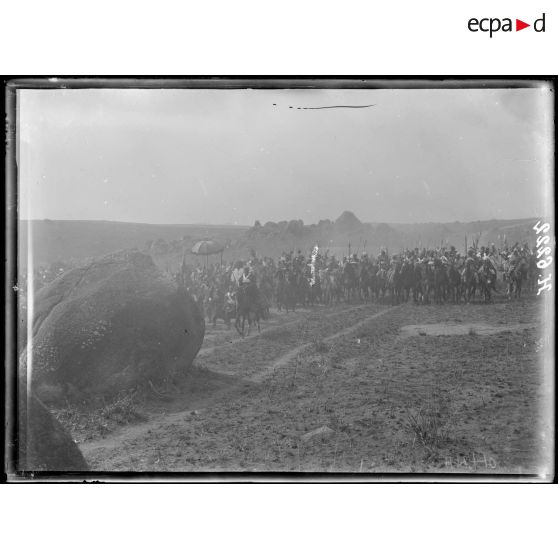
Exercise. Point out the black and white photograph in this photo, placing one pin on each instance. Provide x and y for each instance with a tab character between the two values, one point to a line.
328	278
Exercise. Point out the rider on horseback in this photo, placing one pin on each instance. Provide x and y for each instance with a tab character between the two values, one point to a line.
471	260
489	268
383	259
236	275
514	260
248	277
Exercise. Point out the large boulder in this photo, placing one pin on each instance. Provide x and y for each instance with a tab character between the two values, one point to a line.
43	445
112	325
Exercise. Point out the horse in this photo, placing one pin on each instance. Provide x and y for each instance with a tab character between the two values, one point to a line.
417	282
286	291
248	307
486	281
220	307
515	276
291	291
407	280
302	288
394	283
229	311
325	288
372	279
266	286
424	281
454	284
199	295
364	282
350	281
332	285
469	281
213	305
315	290
381	283
532	273
440	282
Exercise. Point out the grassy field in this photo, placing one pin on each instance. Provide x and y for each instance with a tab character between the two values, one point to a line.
346	389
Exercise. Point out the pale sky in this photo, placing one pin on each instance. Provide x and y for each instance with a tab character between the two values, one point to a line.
234	156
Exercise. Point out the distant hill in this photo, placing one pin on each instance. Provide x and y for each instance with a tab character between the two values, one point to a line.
348	231
73	241
348	221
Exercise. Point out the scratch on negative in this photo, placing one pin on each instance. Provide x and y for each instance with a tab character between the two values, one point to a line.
337	106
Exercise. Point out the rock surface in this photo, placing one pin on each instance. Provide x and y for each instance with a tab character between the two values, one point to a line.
112	325
43	445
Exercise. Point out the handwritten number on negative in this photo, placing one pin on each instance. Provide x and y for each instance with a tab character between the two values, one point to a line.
538	228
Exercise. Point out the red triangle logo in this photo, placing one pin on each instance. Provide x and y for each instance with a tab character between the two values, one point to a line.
519	25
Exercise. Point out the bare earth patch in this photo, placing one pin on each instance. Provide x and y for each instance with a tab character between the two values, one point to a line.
380	400
460	329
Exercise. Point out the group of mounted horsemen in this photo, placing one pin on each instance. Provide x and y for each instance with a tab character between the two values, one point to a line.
243	292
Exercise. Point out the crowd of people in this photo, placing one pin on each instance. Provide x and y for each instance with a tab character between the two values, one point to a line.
296	279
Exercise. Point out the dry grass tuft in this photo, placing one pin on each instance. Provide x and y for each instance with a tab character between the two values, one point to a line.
428	428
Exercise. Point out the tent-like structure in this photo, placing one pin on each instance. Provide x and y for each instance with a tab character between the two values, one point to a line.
207	248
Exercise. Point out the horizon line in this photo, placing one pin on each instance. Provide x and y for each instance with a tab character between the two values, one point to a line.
287	220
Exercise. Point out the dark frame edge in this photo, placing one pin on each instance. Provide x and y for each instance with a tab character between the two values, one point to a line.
279	82
10	294
13	84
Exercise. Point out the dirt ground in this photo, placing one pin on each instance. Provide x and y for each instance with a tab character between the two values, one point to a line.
346	389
